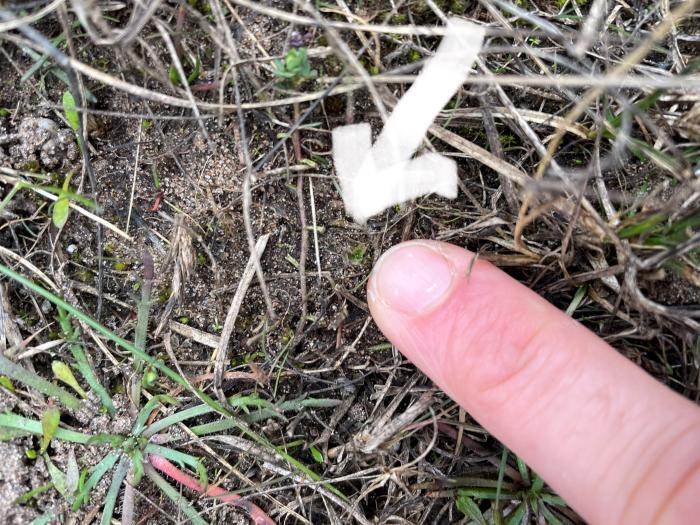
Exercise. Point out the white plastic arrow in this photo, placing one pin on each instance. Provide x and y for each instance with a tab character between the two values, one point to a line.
373	178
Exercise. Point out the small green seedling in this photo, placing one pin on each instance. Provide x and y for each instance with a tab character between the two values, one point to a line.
69	109
357	254
174	76
295	67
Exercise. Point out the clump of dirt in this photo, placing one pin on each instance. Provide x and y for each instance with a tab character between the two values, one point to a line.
38	143
15	480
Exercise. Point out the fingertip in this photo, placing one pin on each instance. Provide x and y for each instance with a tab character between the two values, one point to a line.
584	417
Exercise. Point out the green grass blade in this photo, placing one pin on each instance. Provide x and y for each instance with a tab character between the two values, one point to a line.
516	517
537	484
19	373
29	495
199	410
88	374
469	508
175	418
524	471
170	491
81	361
486	493
30	426
113	492
293	405
181	458
97	473
501	472
552	499
148	408
549	516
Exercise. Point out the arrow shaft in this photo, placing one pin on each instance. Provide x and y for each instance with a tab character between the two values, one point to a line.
437	83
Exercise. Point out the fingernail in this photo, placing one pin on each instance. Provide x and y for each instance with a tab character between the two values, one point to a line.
411	278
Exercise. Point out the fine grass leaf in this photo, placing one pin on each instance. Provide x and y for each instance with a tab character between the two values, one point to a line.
316	454
552	499
181	459
192	77
469	508
62	372
173	75
577	300
175	496
19	373
486	493
98	472
81	361
137	462
110	500
516	517
108	439
61	210
147	409
30	426
524	471
49	424
29	495
641	227
537	485
549	516
58	478
69	110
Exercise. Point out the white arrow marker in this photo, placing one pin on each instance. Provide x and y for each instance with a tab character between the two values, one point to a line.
373	178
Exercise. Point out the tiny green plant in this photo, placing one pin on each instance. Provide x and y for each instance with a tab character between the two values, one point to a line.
61	207
69	109
531	494
191	77
295	66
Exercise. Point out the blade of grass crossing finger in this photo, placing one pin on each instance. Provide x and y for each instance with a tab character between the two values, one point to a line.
170	491
524	471
501	472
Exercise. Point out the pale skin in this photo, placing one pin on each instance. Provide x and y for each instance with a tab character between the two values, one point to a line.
616	444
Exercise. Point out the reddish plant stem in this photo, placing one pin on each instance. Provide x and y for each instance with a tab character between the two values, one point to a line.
170	470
